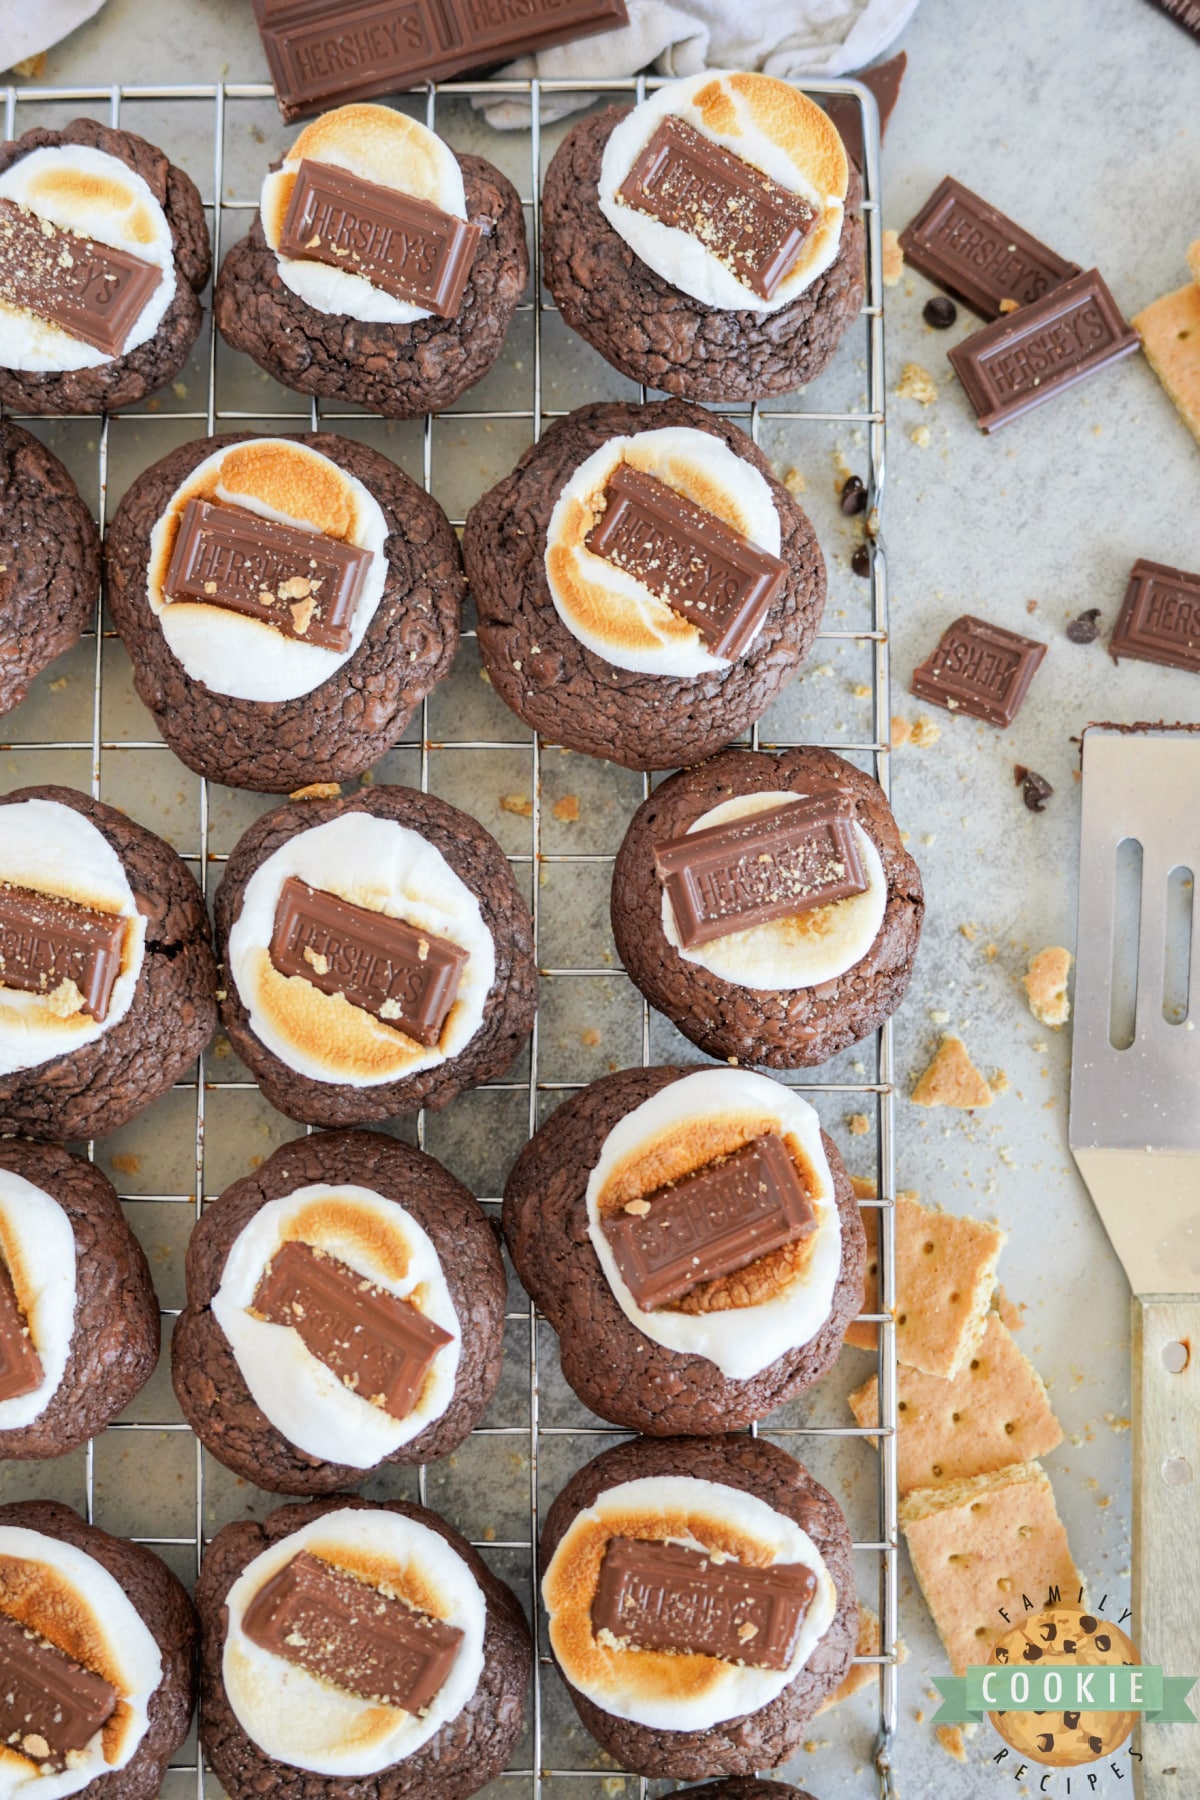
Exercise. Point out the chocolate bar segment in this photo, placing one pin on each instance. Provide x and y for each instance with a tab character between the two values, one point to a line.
50	1705
767	865
964	244
352	1634
20	1364
303	583
712	1222
94	291
705	571
979	669
1159	620
653	1595
1023	360
750	223
45	941
404	977
884	82
324	52
376	1343
410	249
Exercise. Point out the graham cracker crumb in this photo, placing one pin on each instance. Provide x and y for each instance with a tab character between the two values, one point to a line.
861	690
66	1000
952	1079
590	1037
520	804
858	1124
126	1164
317	790
892	259
32	68
865	1187
1008	305
991	951
999	1083
316	960
901	731
1011	1312
950	1737
566	810
921	437
970	932
925	731
1046	985
302	614
795	483
916	383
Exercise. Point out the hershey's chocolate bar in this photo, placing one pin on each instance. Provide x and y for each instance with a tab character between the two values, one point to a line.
405	977
1027	357
410	249
1159	620
767	865
711	1222
94	291
705	571
979	669
884	82
50	1705
352	1634
45	941
324	52
659	1596
303	583
750	223
375	1342
20	1364
964	244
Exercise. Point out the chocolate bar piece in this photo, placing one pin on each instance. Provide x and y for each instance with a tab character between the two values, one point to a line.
403	245
94	291
1159	620
375	1342
653	1595
705	571
50	1705
711	1222
45	941
352	1634
884	82
1026	358
750	223
964	244
767	865
20	1364
324	52
979	669
303	583
405	977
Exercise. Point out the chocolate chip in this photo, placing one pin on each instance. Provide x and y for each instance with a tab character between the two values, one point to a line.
854	496
939	312
860	562
1037	789
1086	628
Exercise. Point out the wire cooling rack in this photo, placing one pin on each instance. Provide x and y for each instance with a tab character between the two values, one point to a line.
146	1477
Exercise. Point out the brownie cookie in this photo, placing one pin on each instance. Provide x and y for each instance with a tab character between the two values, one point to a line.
79	1318
685	307
595	657
286	604
352	1238
788	988
746	1788
319	325
759	1655
377	954
49	561
107	982
719	1330
113	1685
297	1719
86	188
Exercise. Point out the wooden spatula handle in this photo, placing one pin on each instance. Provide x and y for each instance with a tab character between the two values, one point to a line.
1166	1526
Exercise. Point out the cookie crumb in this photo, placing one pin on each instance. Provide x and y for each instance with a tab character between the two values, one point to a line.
1046	985
925	732
858	1124
916	383
891	259
520	804
566	810
952	1079
317	790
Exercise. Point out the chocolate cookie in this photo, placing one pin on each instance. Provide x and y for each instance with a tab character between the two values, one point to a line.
49	561
322	1045
125	1590
748	1788
242	687
552	1221
650	327
77	1060
455	1756
583	1524
76	1280
158	215
733	1002
420	1232
552	680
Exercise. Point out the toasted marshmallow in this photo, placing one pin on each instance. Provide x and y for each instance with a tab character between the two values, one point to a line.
388	868
278	479
54	850
96	196
667	1690
38	1247
299	1719
799	951
679	1129
769	124
379	145
612	612
72	1600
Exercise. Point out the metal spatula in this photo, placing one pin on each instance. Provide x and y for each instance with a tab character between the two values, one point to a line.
1135	1133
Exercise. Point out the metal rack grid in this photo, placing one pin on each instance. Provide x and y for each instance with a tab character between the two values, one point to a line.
540	1779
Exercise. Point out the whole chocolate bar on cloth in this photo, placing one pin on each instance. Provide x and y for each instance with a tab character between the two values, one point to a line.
970	247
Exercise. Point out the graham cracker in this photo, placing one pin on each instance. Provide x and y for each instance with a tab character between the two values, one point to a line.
1170	332
994	1413
945	1273
862	1336
1046	985
952	1079
861	1675
979	1545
